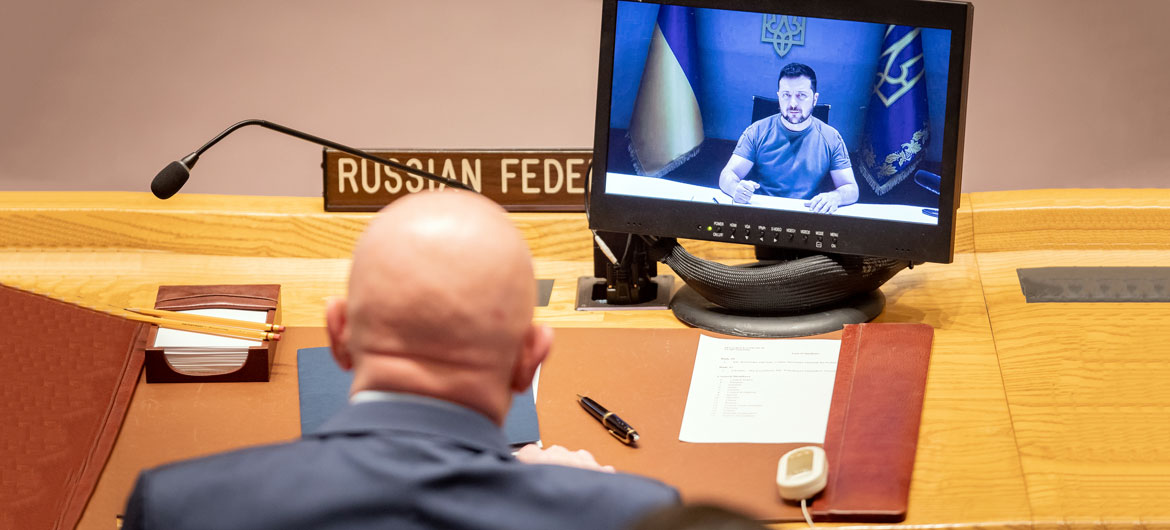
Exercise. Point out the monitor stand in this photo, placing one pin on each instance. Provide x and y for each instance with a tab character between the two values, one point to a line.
629	283
788	293
693	309
628	280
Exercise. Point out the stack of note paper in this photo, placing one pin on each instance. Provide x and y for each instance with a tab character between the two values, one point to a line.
202	354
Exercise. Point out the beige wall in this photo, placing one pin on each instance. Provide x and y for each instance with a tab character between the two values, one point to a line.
100	95
1068	94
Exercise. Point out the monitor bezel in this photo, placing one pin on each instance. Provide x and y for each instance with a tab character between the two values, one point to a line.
859	236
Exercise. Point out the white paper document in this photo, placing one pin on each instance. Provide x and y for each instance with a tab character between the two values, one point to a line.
760	391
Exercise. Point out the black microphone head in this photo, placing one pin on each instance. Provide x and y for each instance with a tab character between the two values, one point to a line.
169	180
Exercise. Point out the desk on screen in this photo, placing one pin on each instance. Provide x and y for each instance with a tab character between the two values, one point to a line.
623	184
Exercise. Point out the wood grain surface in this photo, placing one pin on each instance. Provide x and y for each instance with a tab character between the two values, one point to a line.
1084	381
1112	219
1086	387
1036	415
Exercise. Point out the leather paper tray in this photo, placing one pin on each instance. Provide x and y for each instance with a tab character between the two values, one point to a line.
644	375
256	367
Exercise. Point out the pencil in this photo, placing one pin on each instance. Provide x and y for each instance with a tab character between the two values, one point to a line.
205	328
176	315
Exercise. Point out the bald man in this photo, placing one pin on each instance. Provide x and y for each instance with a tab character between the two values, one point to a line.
437	329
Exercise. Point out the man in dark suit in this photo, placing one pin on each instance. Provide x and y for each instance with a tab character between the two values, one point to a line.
438	331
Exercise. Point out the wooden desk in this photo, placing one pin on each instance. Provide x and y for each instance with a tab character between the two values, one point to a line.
1036	415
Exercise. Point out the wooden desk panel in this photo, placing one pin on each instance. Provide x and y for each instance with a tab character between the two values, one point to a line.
1071	219
109	279
1085	382
226	225
1087	388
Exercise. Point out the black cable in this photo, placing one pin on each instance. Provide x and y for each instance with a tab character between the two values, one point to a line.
588	188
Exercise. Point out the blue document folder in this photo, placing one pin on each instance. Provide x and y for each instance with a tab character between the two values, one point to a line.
324	390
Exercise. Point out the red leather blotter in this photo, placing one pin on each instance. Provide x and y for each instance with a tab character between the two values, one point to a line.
258	365
69	374
872	434
644	375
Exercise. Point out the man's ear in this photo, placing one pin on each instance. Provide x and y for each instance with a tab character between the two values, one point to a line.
537	343
336	325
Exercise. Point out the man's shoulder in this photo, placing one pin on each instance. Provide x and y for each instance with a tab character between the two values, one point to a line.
766	123
239	484
824	129
231	465
760	131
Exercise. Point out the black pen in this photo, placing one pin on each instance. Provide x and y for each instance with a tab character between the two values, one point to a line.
615	425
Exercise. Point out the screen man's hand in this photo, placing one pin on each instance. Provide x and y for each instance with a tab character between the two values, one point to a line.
744	191
827	202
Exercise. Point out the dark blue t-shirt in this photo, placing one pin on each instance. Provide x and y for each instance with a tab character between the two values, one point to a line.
791	164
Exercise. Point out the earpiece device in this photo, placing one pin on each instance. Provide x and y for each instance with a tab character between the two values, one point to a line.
802	473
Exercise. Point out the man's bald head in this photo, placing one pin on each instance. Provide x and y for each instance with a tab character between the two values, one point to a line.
440	301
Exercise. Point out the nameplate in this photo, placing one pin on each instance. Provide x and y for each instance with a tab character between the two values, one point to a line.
519	180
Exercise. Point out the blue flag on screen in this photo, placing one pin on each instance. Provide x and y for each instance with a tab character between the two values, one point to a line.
896	124
666	128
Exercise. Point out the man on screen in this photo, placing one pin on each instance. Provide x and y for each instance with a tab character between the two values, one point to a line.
792	152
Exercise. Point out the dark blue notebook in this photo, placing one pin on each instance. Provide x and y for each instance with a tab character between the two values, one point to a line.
324	389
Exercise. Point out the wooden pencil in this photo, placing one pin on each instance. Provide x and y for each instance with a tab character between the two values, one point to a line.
229	322
205	328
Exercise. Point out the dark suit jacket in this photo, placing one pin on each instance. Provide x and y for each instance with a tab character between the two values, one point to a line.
388	465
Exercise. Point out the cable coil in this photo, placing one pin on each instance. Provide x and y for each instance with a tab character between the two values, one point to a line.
791	286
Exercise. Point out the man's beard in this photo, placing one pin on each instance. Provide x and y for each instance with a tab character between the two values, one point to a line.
798	120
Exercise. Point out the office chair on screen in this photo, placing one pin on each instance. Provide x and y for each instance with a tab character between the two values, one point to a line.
763	107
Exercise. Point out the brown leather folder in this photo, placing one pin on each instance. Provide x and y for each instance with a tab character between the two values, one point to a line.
644	376
872	434
257	366
69	374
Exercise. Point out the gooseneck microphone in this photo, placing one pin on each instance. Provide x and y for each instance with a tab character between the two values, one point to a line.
171	178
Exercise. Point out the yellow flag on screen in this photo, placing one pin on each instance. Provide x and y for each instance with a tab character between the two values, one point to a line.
666	128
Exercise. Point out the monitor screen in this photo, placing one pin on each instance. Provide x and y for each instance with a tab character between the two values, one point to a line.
831	126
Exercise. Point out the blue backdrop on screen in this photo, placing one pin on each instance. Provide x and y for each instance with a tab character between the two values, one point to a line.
735	64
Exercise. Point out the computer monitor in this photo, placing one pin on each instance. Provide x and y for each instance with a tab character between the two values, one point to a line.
831	126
